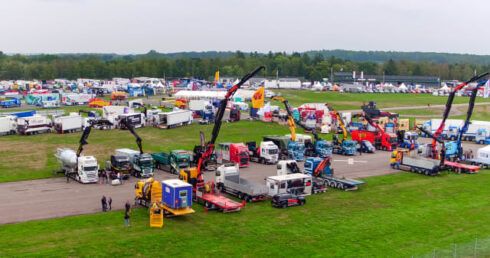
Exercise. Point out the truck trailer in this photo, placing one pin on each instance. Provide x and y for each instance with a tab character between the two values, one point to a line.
174	119
228	181
68	124
173	161
402	158
35	124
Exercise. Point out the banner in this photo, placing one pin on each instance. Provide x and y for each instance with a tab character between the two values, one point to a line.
486	90
216	76
258	98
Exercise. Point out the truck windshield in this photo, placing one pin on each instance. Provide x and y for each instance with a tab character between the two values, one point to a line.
90	169
182	160
350	144
146	162
273	151
243	154
393	140
122	164
300	148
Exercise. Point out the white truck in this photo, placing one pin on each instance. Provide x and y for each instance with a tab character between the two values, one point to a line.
297	183
8	125
50	103
228	181
141	164
198	105
112	111
173	119
267	153
74	99
482	157
433	124
68	124
35	124
84	171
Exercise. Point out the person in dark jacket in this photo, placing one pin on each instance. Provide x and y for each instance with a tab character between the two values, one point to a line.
104	203
110	203
127	214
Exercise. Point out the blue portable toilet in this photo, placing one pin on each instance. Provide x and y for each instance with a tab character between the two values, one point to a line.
176	193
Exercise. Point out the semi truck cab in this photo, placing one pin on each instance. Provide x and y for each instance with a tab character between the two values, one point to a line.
87	169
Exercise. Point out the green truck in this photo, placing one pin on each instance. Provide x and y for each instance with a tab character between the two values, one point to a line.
173	161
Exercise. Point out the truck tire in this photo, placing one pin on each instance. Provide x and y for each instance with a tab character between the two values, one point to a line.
284	205
340	186
240	196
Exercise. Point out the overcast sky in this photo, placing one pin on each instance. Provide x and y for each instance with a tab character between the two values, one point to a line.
137	26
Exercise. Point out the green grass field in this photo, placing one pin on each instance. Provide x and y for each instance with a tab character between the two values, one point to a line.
396	215
350	101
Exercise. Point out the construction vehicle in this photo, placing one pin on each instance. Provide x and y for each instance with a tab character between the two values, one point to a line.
380	139
168	198
408	140
344	146
287	167
266	153
448	108
120	163
83	169
204	192
174	161
405	159
296	149
11	103
228	181
320	168
141	163
233	152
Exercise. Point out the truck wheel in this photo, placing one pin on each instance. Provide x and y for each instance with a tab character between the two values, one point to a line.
284	205
340	186
240	196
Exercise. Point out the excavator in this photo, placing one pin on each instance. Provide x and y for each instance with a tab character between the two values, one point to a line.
193	175
449	104
345	147
295	150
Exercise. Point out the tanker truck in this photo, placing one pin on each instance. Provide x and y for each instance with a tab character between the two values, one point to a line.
84	171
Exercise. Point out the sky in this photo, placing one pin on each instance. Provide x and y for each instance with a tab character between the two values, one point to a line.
137	26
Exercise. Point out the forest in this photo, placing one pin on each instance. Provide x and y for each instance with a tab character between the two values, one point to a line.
312	66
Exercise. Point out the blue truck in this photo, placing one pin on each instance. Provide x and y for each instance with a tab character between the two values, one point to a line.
10	103
320	168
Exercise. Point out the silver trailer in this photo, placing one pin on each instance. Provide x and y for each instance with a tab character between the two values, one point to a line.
228	181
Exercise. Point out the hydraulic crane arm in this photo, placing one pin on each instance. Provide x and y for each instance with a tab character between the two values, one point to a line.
131	129
449	103
291	123
370	121
437	139
321	167
471	105
208	150
341	123
86	133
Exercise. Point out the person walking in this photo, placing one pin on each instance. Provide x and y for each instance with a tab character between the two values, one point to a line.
104	203
127	214
110	203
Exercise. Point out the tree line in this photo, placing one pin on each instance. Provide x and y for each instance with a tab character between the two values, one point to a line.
301	65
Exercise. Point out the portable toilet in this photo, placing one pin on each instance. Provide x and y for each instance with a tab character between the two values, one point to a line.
176	193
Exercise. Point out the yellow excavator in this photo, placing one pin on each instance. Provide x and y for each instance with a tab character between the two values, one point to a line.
149	194
345	147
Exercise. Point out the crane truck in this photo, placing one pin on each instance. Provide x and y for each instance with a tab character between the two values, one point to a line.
204	192
121	162
295	149
380	139
172	161
83	169
228	181
320	168
266	153
344	146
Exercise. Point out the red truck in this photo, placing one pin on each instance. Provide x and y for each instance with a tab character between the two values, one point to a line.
380	140
234	152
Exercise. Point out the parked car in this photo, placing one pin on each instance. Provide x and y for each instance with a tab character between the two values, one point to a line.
285	200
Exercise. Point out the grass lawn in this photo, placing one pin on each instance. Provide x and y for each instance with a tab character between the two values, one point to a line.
349	101
416	112
396	215
32	157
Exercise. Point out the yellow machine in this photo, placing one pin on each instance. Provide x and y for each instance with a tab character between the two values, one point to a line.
341	123
291	123
149	194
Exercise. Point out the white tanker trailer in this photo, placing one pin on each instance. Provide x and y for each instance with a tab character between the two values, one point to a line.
87	166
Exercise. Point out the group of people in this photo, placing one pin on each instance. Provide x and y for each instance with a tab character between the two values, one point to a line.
107	205
104	177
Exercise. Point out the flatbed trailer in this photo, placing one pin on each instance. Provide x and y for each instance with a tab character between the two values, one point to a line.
461	168
168	211
215	201
340	183
480	163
